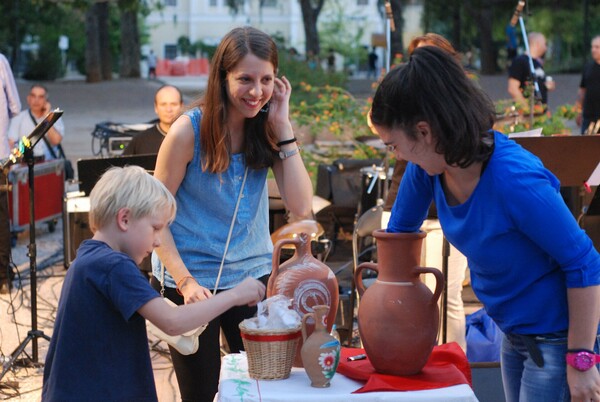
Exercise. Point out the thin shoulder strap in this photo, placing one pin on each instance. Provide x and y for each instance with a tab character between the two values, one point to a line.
235	211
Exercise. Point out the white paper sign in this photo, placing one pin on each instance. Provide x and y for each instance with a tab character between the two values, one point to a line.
594	179
537	132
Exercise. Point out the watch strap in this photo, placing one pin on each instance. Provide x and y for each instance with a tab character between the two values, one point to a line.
573	354
580	350
286	154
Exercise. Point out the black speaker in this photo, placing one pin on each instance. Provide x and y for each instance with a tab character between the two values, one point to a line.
76	226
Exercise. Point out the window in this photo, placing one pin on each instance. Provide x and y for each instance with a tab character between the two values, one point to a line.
170	3
212	3
170	52
269	3
362	2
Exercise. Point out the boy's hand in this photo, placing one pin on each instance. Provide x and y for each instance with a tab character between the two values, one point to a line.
249	292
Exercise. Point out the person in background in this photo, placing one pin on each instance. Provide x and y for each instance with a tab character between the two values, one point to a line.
24	123
99	342
433	244
588	97
372	59
10	106
312	60
168	104
519	72
511	43
538	278
331	61
233	135
151	60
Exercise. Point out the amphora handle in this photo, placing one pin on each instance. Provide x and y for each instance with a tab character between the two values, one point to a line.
360	287
304	318
277	253
439	280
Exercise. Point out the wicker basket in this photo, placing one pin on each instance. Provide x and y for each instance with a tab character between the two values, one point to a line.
270	352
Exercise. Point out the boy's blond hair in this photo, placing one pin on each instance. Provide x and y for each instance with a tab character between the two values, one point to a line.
128	187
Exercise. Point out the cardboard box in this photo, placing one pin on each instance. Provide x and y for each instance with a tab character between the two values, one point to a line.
49	187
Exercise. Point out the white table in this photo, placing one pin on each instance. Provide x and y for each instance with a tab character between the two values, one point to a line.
236	386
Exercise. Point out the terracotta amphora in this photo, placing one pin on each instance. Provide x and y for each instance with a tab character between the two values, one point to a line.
305	280
320	350
398	316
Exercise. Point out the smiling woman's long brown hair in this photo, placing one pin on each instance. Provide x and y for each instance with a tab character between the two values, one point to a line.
259	140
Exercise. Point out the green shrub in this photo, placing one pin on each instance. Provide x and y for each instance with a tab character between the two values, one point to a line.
46	65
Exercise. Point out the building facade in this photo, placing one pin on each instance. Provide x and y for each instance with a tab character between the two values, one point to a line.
210	20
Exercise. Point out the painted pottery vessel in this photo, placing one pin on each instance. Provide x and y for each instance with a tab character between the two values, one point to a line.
320	351
305	280
398	316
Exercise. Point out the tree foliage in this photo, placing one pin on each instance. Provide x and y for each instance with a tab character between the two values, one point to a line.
342	33
480	24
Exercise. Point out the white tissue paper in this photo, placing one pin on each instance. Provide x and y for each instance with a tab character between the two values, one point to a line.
274	313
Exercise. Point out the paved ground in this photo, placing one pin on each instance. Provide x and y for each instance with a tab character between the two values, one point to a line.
126	101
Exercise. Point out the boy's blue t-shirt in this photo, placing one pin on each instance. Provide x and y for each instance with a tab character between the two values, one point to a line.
99	347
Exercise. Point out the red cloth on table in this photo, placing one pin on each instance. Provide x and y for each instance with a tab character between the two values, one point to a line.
446	366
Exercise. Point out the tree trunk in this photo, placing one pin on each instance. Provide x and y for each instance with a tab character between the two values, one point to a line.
488	53
103	40
457	25
310	15
130	40
92	49
397	46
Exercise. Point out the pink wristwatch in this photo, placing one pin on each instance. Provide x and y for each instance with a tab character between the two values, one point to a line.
582	359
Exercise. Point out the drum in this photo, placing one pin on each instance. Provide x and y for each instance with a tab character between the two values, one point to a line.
375	183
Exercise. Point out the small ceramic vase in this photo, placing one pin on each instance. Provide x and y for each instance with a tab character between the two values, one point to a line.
320	351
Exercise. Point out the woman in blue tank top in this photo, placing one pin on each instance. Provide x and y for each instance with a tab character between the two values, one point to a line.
241	125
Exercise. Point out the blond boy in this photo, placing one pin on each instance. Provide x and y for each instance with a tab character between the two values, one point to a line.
99	349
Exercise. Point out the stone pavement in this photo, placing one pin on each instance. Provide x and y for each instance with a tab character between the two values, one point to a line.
122	101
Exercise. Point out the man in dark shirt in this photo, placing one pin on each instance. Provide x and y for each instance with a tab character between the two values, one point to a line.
372	73
519	73
168	105
588	97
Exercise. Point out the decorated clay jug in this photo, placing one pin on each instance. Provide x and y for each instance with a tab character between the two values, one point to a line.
305	280
398	315
320	351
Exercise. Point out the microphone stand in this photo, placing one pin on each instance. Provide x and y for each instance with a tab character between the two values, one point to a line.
34	333
389	28
445	257
536	86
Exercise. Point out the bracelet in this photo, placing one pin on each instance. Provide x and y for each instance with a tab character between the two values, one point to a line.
179	284
285	142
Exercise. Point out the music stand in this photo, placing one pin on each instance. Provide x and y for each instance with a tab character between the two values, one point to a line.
594	207
25	152
572	159
90	170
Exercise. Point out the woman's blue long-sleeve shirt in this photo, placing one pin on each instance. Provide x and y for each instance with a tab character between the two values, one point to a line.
523	245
